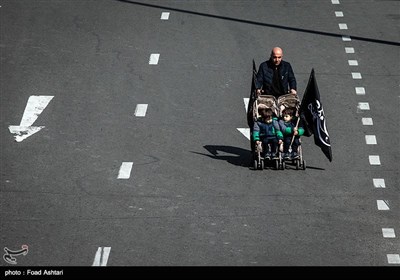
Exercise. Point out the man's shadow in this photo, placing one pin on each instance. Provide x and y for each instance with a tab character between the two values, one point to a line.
233	155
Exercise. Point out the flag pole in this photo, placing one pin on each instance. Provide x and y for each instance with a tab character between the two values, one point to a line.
297	125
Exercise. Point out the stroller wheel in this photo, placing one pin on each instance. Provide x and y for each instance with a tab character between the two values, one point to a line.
262	164
297	164
283	165
304	165
277	164
255	164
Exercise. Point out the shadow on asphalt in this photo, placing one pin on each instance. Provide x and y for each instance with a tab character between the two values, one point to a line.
233	155
237	156
290	28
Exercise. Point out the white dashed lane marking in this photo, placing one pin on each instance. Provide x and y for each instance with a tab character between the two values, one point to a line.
382	205
339	14
154	57
367	121
370	139
379	183
374	160
164	16
101	257
141	110
353	62
388	233
363	106
125	170
356	75
346	38
393	258
360	90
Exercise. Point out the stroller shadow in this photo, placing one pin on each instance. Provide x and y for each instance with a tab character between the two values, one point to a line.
233	155
236	156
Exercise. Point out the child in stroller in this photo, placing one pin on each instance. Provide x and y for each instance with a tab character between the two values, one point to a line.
266	133
291	127
292	132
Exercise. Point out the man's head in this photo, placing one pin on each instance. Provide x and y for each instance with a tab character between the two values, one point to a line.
276	55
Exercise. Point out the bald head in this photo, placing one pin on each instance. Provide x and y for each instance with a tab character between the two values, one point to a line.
276	55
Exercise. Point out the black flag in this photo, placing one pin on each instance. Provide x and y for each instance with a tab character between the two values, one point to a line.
250	106
253	96
312	114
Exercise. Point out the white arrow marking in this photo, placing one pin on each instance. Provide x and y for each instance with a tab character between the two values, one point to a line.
36	104
246	103
23	132
245	132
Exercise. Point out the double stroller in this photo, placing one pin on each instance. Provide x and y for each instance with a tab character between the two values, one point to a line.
277	106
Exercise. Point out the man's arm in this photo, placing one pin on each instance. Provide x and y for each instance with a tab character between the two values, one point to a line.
260	79
292	80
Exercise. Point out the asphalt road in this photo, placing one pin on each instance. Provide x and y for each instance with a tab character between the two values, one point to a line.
191	197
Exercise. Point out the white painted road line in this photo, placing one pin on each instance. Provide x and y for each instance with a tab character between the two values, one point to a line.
367	121
245	132
164	16
382	205
125	170
353	62
154	57
141	110
356	75
360	90
246	103
23	132
379	183
370	139
339	14
388	233
393	258
346	38
374	160
363	106
101	257
34	107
